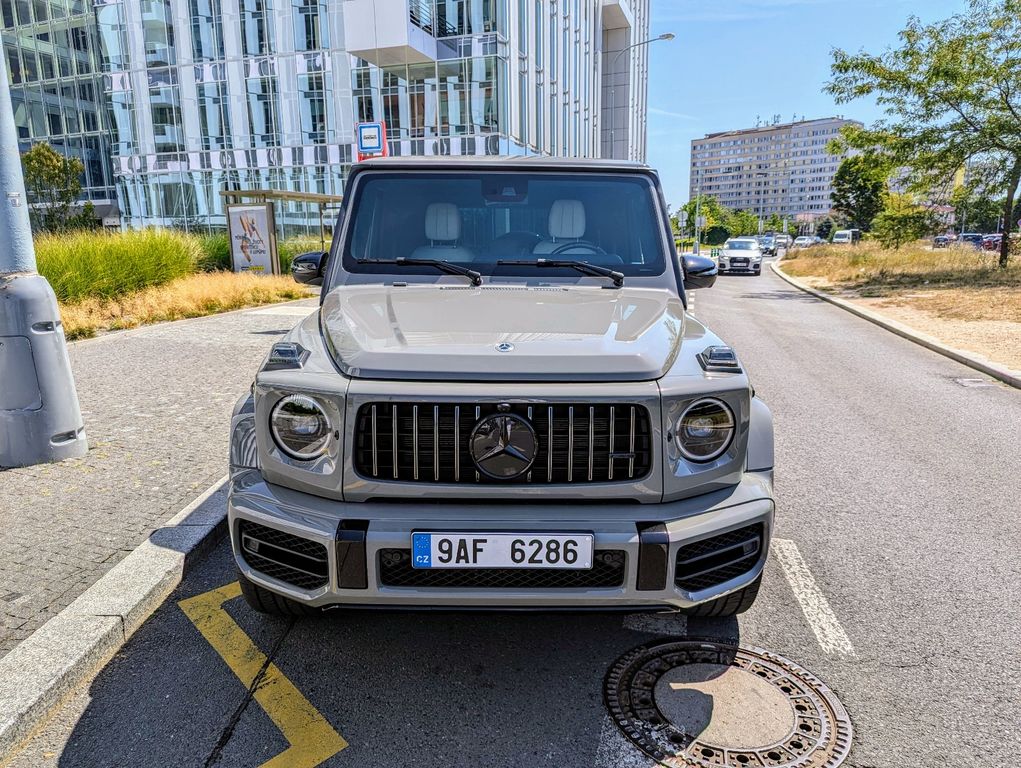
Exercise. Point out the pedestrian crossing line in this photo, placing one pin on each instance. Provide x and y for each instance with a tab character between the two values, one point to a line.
311	737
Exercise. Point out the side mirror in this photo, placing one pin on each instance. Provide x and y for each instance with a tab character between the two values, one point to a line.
308	268
699	271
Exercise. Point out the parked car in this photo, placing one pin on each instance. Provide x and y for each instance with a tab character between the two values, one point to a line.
804	241
741	254
941	241
846	237
992	242
974	239
446	431
767	245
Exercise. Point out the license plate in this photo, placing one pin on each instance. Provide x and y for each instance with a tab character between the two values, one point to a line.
501	550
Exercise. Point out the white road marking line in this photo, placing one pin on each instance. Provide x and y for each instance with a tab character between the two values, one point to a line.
831	636
657	623
615	751
289	310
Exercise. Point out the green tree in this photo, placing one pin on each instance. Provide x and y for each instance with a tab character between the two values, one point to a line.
824	229
952	94
858	188
974	210
902	220
715	213
53	184
742	223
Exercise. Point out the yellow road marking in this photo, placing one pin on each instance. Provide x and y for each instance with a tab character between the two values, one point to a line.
311	737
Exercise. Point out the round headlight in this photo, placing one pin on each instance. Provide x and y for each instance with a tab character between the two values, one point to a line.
300	427
705	430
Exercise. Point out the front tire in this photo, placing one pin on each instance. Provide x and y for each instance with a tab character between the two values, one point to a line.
262	600
728	605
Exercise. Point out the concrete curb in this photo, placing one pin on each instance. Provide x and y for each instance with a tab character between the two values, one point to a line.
69	650
970	359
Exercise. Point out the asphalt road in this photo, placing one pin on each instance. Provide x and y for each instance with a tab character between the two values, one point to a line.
898	489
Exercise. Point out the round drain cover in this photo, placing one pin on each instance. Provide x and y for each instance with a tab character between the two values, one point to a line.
704	703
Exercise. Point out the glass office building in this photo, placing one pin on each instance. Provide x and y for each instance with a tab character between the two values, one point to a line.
55	71
193	97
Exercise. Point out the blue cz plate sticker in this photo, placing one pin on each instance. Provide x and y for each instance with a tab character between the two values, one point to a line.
502	550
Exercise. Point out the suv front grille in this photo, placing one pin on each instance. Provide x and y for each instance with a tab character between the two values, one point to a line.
710	562
395	570
576	443
283	556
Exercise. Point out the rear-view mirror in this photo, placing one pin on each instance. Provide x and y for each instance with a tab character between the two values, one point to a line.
308	268
699	271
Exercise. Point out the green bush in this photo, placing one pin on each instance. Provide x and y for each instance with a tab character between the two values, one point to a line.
215	252
87	264
292	246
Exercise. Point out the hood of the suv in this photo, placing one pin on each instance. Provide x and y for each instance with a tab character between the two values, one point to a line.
503	333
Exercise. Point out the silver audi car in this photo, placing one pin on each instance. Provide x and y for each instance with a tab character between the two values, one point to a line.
502	402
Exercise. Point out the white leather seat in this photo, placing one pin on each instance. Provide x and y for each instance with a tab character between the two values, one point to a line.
566	224
443	230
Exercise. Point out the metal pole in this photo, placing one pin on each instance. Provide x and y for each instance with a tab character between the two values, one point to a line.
613	83
698	211
40	420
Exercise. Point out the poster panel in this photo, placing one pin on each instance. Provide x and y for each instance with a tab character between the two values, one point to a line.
252	241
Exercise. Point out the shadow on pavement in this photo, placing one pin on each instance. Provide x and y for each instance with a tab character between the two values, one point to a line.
403	688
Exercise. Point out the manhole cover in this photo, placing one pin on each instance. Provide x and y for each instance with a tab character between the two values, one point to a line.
703	703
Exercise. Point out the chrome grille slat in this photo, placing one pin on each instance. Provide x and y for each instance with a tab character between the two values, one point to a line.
414	438
591	440
570	444
631	448
436	443
613	420
375	448
429	442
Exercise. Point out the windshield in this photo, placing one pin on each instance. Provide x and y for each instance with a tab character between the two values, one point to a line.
740	245
479	219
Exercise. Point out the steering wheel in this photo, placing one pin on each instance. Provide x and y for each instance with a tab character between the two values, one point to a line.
578	244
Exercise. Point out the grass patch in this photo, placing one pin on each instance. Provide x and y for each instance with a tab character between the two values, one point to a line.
215	252
953	283
86	264
870	269
191	296
292	246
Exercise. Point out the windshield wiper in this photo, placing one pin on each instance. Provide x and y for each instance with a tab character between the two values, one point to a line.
448	267
581	266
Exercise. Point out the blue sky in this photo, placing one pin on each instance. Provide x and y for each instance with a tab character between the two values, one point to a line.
733	60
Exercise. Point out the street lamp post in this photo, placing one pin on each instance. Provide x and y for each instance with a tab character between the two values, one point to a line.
40	420
613	82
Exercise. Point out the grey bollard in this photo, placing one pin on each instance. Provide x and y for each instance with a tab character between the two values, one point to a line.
40	420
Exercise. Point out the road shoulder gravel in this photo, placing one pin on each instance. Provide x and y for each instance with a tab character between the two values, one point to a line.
970	359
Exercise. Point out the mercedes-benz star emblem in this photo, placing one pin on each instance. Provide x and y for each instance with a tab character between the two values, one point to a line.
503	446
504	346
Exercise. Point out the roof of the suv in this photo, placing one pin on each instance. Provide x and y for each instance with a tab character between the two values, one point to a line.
503	162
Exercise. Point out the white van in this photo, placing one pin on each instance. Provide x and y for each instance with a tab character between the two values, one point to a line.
843	237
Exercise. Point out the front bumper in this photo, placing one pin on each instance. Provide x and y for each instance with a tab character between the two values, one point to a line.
749	268
650	536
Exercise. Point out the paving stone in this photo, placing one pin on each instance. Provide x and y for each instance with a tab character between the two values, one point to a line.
156	404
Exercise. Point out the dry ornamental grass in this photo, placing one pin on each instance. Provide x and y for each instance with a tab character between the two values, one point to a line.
192	296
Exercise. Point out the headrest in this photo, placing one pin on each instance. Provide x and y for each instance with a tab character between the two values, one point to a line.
442	222
567	219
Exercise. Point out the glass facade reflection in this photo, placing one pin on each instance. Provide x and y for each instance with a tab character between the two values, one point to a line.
55	70
170	102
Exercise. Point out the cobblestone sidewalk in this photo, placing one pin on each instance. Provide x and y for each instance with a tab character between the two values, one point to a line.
156	404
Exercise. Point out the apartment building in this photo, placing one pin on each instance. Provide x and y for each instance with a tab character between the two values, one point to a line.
770	169
170	102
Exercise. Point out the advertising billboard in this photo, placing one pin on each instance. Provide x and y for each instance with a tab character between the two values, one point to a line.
252	239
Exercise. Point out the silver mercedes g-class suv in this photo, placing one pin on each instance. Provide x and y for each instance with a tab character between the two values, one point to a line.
502	402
